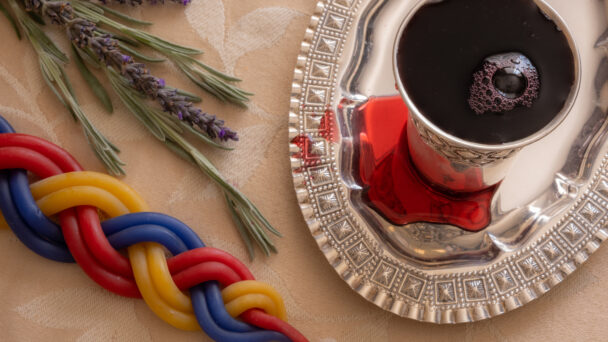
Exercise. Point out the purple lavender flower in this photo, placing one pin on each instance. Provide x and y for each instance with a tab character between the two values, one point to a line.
59	12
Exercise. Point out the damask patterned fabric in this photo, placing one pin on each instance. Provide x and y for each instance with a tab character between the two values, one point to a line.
257	40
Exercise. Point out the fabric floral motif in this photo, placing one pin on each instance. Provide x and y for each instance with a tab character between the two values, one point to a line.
259	29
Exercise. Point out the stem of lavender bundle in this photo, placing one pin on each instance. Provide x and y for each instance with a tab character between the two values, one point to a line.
84	34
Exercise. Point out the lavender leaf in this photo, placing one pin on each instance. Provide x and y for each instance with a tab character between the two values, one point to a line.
131	100
93	82
119	15
240	227
201	135
11	20
139	55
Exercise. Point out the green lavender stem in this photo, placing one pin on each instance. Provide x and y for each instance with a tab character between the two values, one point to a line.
50	59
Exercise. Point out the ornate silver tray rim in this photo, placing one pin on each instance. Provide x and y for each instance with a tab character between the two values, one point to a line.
467	294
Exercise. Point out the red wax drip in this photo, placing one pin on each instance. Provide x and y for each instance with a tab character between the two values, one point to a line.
327	130
394	187
327	127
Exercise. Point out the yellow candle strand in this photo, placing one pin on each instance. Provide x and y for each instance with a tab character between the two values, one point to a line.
169	314
74	196
120	190
150	269
250	301
126	194
246	287
161	276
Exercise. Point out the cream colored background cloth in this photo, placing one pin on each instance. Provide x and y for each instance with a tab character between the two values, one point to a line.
258	40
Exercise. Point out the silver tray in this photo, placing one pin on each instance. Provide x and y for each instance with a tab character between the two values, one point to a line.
548	216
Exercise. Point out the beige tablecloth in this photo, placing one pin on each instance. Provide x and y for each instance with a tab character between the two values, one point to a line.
258	40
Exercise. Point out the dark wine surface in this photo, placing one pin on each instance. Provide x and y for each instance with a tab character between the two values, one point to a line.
446	42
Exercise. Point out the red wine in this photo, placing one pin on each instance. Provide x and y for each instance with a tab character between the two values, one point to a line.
445	43
391	183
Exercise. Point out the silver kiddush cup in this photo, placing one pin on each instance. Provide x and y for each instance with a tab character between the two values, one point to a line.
457	165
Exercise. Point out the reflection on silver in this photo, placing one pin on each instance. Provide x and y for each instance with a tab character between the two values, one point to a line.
547	216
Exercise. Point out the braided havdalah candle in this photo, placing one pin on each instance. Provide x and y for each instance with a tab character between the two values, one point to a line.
221	287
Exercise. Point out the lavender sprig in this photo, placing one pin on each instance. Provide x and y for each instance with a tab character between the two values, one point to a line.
207	78
84	35
103	47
